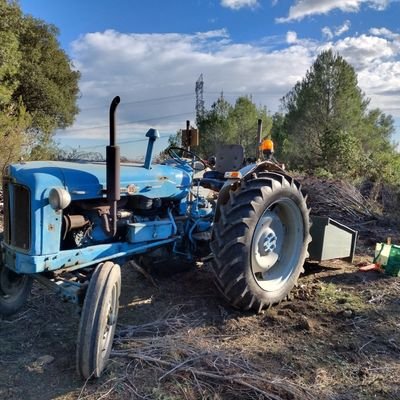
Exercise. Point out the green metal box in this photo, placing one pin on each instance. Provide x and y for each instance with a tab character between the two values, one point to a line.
331	239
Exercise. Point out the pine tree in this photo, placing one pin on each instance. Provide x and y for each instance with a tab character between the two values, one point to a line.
328	125
325	114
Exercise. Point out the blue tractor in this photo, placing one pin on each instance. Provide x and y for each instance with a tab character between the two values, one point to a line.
68	225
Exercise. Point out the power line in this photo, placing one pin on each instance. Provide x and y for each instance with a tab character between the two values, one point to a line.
123	142
177	96
155	99
132	122
269	94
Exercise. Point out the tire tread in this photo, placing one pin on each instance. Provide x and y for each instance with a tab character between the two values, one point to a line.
230	244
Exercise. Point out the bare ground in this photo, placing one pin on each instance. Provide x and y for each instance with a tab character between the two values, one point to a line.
338	338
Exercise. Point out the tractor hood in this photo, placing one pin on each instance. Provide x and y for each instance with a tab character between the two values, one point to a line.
88	180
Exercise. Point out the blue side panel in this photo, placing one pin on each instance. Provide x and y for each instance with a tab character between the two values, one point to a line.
87	181
50	231
77	258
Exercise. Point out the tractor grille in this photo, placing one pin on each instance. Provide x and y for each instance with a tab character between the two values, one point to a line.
16	215
6	211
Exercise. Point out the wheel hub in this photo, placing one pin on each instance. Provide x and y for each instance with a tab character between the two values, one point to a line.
268	239
270	242
276	245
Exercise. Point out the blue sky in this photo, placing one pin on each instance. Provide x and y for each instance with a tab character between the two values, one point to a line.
151	53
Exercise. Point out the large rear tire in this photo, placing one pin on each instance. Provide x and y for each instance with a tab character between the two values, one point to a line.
98	320
14	290
260	241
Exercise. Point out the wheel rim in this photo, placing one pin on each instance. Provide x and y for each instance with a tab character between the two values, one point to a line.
11	284
277	244
111	320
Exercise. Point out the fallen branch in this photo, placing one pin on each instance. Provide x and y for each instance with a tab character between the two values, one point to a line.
239	379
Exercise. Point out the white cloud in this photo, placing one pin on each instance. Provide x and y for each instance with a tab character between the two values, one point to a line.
363	50
238	4
384	32
329	34
219	33
155	74
291	37
377	63
339	30
158	66
304	8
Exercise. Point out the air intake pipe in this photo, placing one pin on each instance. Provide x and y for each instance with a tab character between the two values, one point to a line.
113	169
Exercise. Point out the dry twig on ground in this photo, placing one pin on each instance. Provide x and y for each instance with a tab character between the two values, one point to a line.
178	361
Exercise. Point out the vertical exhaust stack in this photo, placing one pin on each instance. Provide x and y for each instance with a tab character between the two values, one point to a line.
259	132
113	169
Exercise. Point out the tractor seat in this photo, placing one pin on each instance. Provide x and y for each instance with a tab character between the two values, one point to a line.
229	158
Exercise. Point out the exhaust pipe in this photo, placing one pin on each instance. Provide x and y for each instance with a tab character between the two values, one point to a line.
113	169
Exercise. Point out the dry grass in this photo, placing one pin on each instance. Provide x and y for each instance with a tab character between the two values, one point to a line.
173	359
337	340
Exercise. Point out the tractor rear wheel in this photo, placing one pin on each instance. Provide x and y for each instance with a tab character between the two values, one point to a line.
260	241
14	290
98	320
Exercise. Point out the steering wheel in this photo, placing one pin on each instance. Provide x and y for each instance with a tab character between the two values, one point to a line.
172	153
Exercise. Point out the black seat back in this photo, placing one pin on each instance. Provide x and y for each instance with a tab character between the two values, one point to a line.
229	158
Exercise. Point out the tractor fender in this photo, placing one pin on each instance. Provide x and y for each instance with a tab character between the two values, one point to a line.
269	166
246	172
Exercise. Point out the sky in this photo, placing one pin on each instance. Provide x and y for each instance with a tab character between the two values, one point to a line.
151	53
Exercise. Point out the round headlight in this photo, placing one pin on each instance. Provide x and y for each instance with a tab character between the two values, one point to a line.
59	198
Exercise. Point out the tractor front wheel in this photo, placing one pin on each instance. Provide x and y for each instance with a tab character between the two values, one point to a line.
98	320
260	240
14	290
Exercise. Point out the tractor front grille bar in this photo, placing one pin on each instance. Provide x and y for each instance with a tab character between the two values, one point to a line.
16	215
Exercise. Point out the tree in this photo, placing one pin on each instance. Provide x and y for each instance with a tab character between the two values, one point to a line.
215	127
278	135
327	122
37	75
74	154
9	64
10	55
324	112
377	132
245	115
227	124
380	162
14	121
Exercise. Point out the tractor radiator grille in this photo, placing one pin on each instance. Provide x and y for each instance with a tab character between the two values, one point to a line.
6	211
16	215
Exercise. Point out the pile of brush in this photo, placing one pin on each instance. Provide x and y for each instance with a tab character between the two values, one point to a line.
368	210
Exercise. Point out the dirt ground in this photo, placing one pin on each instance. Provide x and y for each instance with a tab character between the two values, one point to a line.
337	338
